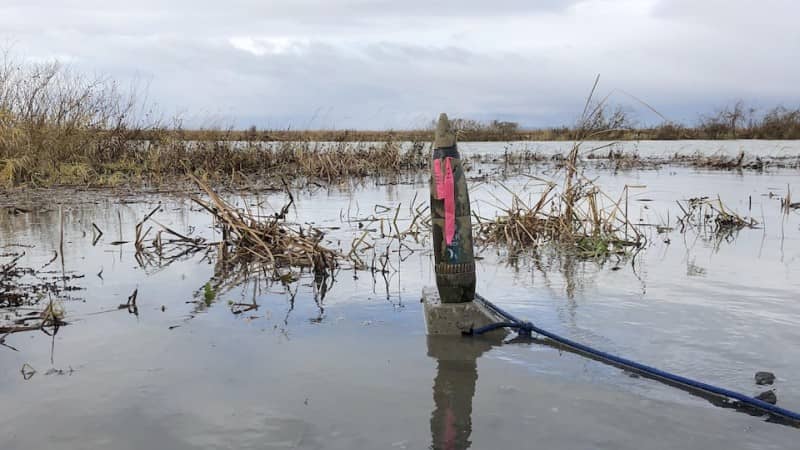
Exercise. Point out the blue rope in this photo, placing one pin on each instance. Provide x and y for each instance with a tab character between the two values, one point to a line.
527	327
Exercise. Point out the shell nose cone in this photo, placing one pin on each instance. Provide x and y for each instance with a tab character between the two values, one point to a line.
445	136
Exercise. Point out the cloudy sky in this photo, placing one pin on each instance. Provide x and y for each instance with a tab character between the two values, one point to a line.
397	63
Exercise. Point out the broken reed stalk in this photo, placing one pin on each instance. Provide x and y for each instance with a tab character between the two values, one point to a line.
61	245
61	227
97	233
139	237
130	305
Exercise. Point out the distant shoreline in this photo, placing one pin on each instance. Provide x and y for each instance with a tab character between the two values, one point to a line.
544	135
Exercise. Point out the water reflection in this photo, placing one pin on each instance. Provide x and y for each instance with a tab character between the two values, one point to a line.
454	388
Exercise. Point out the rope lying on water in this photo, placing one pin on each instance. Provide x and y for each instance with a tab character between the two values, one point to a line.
525	328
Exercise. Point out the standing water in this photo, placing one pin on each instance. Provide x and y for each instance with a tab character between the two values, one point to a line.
344	362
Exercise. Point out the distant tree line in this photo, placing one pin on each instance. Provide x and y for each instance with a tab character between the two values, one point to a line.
492	130
604	122
736	121
741	122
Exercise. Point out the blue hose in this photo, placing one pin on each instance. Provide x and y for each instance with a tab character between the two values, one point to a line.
528	327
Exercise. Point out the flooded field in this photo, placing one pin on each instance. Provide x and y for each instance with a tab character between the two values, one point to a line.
649	149
209	358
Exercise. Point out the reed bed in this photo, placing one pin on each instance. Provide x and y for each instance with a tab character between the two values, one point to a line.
734	121
572	216
574	213
164	162
59	127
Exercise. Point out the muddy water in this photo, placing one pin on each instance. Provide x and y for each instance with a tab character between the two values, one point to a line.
346	364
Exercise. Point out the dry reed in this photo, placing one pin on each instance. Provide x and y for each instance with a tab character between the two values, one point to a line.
576	212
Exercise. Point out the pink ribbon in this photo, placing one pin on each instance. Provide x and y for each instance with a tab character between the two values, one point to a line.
445	190
438	178
449	203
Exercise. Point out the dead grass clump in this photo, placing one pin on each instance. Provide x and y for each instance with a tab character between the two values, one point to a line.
247	236
520	225
254	245
10	273
576	212
331	162
583	224
719	161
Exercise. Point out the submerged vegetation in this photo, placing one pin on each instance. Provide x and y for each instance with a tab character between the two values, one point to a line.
572	212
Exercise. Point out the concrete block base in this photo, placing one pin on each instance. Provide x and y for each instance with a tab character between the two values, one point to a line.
450	319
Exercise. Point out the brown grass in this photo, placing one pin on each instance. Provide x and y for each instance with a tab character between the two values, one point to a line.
570	214
247	237
575	212
59	127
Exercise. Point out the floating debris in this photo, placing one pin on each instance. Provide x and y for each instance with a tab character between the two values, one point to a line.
764	378
768	396
27	371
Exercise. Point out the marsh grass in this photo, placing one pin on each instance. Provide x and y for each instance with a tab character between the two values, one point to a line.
583	220
248	237
574	212
59	127
56	124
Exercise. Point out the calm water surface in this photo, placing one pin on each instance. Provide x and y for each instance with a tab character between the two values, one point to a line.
353	368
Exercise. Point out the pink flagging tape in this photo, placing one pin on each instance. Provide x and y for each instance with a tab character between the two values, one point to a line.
438	178
449	203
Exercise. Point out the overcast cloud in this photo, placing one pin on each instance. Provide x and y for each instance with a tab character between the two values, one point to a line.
396	64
